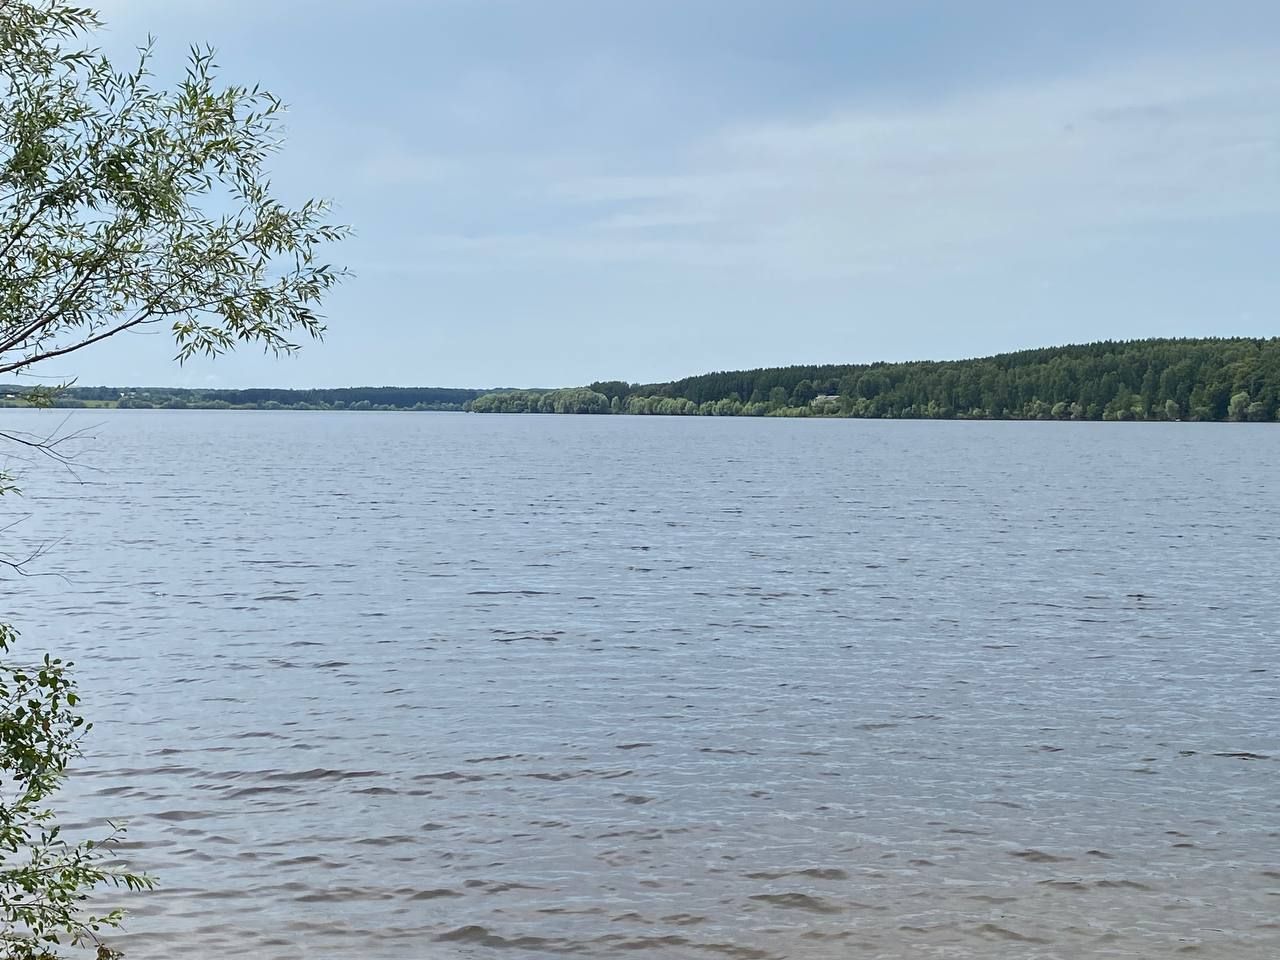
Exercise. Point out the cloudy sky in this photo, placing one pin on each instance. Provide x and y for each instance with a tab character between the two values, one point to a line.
548	192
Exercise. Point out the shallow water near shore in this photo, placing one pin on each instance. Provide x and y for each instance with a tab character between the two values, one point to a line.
432	685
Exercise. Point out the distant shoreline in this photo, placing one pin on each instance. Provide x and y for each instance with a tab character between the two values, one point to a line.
768	416
1213	380
1236	379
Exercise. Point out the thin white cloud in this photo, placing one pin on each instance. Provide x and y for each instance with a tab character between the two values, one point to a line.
1045	166
395	167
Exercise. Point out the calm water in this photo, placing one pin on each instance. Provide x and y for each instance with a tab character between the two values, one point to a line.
419	686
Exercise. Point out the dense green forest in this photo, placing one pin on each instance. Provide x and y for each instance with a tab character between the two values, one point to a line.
1211	379
1215	379
179	398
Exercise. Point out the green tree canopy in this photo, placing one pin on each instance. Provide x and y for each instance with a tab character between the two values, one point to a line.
123	204
1234	378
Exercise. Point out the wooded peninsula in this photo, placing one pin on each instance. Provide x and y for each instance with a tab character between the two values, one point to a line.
1206	379
1231	379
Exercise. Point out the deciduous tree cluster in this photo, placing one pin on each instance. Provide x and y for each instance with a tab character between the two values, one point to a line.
1212	379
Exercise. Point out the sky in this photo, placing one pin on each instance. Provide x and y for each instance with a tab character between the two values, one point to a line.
550	192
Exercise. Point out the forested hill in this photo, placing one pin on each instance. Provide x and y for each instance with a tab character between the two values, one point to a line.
1211	379
1218	379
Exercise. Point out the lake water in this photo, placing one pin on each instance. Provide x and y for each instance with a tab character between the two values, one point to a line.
413	686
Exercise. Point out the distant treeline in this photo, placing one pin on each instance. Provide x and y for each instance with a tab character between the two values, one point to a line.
572	400
1210	379
178	398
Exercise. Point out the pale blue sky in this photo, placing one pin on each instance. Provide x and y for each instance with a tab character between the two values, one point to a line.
547	192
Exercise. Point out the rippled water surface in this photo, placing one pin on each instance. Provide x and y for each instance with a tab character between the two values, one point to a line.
432	685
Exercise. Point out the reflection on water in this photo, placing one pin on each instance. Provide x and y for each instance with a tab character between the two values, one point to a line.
405	686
